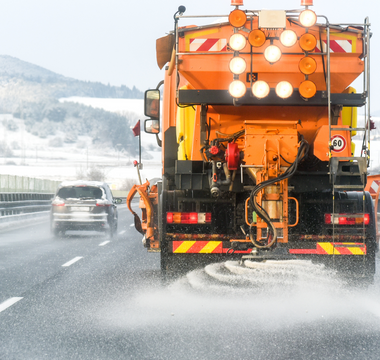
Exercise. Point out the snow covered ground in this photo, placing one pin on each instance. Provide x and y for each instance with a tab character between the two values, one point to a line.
33	157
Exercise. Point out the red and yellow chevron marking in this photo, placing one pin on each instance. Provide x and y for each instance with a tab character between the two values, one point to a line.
329	248
197	247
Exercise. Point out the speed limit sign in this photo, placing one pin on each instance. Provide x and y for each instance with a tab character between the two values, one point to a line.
338	143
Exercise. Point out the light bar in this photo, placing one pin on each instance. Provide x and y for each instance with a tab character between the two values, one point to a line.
237	18
260	89
272	53
343	219
256	38
288	38
308	42
237	65
307	89
188	218
307	65
237	42
237	89
308	18
284	89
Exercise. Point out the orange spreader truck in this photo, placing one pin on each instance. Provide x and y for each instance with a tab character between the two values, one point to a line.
258	130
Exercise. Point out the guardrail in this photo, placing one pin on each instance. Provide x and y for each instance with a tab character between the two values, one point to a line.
24	203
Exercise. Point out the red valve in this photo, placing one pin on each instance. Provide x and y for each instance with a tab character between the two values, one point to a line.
135	163
232	156
214	150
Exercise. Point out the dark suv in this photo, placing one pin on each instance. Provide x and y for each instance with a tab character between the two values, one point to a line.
84	205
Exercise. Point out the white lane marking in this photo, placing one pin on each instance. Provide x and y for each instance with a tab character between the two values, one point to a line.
121	232
7	303
104	243
73	261
132	225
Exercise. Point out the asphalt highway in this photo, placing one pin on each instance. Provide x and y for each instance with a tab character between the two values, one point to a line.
85	296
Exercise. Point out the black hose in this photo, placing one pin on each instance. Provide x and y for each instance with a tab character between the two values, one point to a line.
301	155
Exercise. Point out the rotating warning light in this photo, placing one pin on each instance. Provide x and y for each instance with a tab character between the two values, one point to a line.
237	2
307	65
306	2
237	65
237	42
288	38
308	42
307	89
237	89
260	89
308	18
256	38
237	18
284	89
272	53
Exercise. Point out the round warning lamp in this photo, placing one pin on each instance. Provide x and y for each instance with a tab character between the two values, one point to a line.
284	89
256	38
272	53
307	89
237	65
308	42
307	65
260	89
237	18
237	42
237	89
288	38
308	18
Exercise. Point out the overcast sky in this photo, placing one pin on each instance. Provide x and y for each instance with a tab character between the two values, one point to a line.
113	41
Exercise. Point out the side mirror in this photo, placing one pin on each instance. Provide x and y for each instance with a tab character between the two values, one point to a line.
152	126
152	104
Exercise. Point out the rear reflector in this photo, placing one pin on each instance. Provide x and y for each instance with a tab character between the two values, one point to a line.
188	218
347	219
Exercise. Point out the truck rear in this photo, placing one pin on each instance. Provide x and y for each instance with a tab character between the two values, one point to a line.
259	127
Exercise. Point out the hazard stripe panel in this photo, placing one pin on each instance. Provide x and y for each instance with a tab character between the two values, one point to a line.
197	247
329	248
205	45
374	187
336	46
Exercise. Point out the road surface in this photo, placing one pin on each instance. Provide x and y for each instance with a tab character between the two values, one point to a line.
88	297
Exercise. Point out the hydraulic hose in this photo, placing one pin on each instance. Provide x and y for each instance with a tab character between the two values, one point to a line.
301	155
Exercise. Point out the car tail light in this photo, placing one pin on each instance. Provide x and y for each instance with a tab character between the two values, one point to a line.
188	218
347	219
58	203
102	203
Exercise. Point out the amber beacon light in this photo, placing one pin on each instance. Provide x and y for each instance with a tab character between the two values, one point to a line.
237	3
306	2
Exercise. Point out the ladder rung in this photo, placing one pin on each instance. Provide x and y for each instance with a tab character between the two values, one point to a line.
349	187
349	129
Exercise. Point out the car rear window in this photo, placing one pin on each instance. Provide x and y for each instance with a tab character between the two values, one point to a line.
80	192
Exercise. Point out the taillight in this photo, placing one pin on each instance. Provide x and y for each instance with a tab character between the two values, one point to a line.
188	218
58	203
347	219
102	203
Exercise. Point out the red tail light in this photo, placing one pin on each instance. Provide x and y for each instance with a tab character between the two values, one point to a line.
102	203
58	203
188	218
347	219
